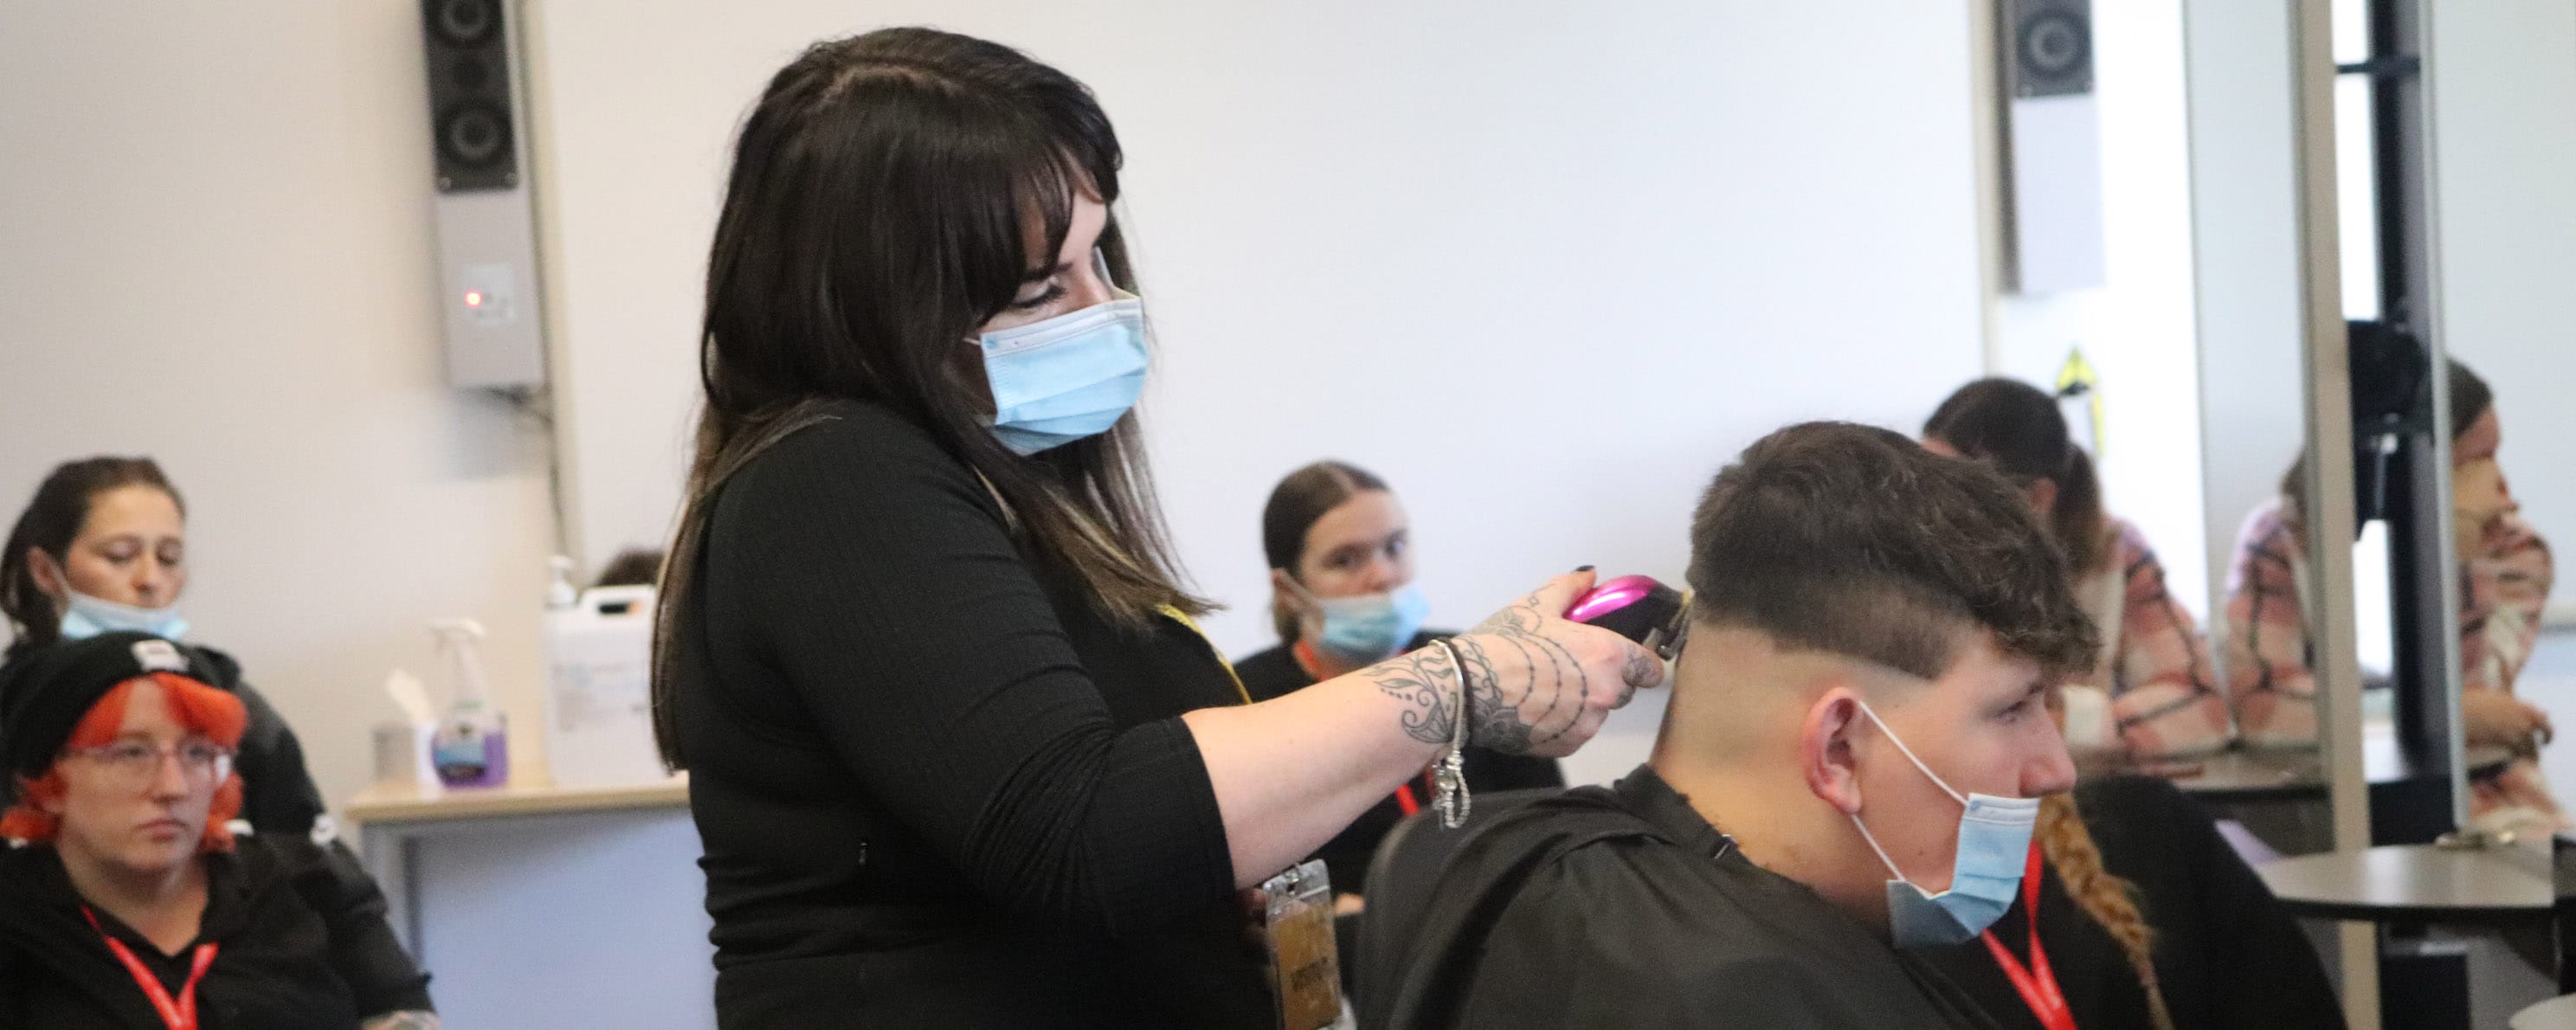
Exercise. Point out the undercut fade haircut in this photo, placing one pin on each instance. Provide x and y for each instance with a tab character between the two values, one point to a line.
1854	540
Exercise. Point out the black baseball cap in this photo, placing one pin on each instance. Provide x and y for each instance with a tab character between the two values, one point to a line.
46	691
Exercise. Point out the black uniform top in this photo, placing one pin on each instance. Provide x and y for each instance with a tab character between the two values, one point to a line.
1623	907
278	795
299	930
2226	953
934	786
1275	672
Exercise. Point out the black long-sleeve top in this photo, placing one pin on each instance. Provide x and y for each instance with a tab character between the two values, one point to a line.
935	787
300	935
2226	953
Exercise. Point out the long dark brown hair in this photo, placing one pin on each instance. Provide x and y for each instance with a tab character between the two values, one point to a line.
1294	506
876	216
2017	428
52	520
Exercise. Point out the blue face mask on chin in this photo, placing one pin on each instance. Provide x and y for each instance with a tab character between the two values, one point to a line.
85	617
1067	378
1994	851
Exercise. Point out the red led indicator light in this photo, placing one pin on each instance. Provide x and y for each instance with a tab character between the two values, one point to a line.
473	298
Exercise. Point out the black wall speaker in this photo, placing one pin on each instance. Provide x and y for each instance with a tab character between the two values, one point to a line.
471	124
2049	47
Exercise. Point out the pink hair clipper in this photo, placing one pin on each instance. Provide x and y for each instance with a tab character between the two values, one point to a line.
1638	608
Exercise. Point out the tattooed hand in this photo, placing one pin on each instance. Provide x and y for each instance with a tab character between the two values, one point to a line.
1536	683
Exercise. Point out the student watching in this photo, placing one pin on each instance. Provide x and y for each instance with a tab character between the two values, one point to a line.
127	900
1848	771
2152	666
103	546
1342	596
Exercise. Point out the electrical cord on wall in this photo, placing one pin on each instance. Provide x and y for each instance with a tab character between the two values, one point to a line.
536	404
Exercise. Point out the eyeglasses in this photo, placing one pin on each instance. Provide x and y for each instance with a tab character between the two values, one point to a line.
132	764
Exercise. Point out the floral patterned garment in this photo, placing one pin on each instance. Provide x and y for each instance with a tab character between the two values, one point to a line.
2504	585
2163	697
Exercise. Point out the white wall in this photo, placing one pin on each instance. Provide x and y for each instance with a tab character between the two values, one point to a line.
1543	267
214	249
2137	329
2504	94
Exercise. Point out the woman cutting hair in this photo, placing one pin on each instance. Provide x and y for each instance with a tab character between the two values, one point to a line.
958	756
126	898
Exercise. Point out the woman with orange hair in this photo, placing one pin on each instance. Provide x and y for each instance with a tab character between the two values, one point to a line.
129	897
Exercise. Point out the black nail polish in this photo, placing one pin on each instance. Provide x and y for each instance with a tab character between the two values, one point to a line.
1583	568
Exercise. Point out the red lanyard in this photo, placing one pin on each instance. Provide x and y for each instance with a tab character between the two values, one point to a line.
180	1014
2038	986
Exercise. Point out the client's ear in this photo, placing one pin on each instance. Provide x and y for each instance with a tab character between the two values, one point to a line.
1825	748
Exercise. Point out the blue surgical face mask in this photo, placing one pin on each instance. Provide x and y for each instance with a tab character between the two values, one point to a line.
85	617
1994	850
1066	378
1370	627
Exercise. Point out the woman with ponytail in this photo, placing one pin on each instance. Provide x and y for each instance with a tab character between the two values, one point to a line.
2163	700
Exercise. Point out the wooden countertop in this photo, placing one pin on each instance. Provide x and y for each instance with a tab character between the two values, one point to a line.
382	804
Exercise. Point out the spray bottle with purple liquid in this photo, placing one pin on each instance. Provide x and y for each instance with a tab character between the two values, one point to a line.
471	747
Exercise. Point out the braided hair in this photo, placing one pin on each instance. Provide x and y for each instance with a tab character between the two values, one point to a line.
2108	900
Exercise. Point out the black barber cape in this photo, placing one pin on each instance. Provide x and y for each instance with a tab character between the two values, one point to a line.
1623	907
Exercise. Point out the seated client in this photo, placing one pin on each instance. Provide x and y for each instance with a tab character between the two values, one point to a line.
1849	769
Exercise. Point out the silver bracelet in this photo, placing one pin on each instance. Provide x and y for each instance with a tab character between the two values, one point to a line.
1449	775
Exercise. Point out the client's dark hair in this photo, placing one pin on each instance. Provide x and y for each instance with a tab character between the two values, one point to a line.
2018	429
1854	540
1295	504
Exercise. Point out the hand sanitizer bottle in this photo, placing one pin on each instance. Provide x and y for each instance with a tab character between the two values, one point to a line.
471	747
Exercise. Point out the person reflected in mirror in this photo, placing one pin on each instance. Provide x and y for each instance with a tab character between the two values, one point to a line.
1343	598
2151	694
2505	574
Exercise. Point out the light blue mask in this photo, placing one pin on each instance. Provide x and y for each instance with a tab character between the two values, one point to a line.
1994	851
87	616
1067	378
1368	628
